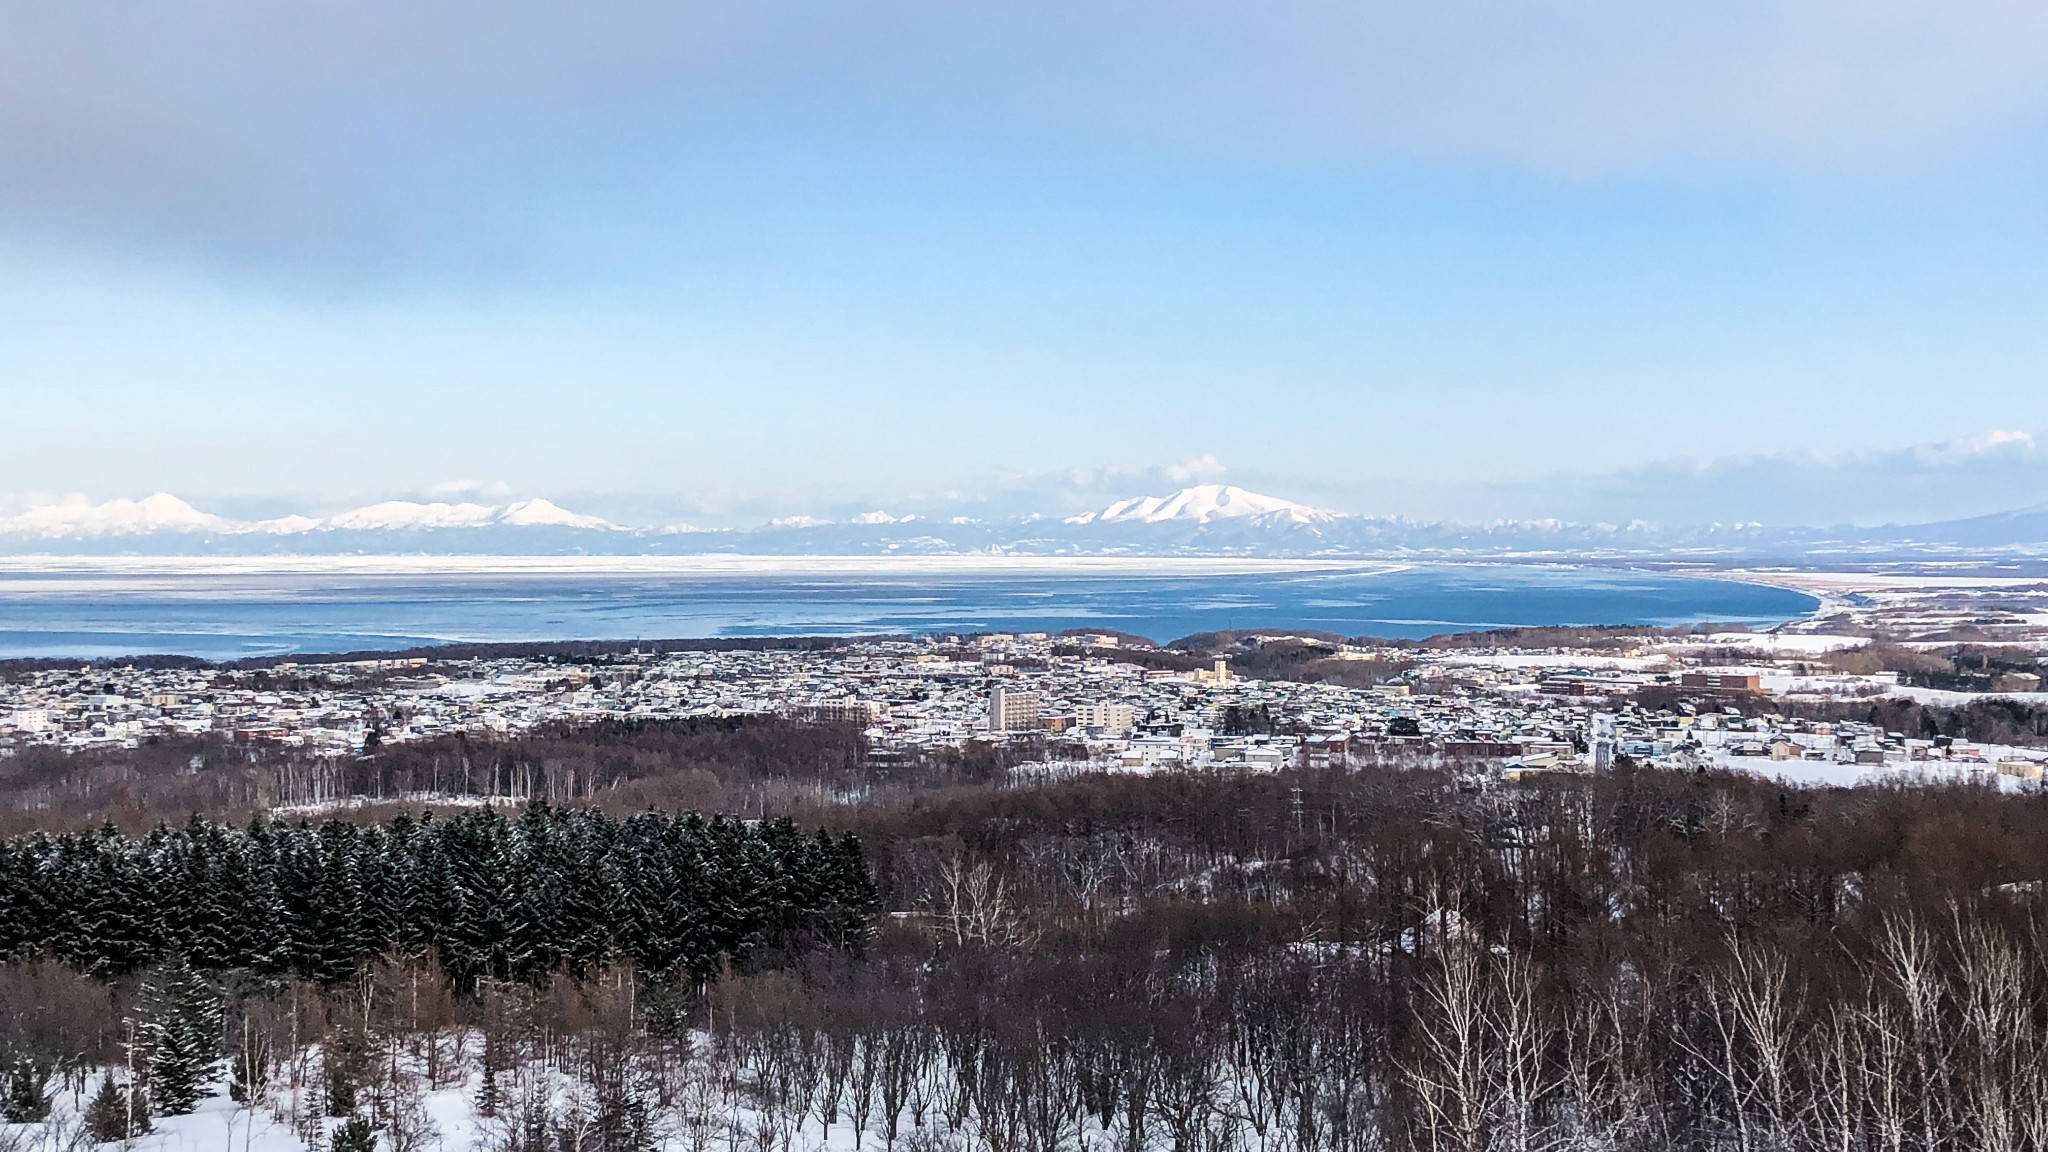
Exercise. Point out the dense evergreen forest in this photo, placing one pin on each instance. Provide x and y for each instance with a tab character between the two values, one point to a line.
486	897
1347	960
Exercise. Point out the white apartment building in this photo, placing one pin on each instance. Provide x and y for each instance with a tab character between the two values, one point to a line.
1012	711
1109	719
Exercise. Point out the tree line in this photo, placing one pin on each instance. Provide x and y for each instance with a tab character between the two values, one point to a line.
485	895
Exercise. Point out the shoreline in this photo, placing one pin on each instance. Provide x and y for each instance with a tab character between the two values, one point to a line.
108	591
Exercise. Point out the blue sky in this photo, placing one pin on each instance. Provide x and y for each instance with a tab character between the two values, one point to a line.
1581	258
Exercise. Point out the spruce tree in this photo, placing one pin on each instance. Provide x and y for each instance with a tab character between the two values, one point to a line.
181	1039
489	1097
259	928
213	940
533	943
342	1063
298	883
335	912
471	874
354	1136
586	915
117	1114
110	905
15	930
26	1103
377	880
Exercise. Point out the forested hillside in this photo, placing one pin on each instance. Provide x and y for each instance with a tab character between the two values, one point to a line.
1374	959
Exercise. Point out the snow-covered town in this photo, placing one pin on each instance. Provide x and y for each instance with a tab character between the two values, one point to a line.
1725	700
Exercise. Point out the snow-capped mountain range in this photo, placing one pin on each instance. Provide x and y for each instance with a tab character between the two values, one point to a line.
1207	519
79	518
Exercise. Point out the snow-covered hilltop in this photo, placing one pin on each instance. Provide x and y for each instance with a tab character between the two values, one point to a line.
77	518
1203	520
407	516
1203	503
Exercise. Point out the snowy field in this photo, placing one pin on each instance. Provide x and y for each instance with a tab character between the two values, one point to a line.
1963	763
443	1120
1786	643
1948	699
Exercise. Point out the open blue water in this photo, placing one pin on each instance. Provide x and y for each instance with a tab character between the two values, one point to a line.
230	616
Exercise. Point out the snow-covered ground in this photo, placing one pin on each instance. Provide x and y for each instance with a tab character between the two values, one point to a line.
217	1125
403	799
1825	765
713	1107
1832	774
443	1119
1949	699
1787	643
1554	660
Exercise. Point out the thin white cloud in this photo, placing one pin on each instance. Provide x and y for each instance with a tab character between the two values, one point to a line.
488	489
1972	449
1196	470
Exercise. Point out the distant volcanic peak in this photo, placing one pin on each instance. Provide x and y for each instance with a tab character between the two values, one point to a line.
1204	503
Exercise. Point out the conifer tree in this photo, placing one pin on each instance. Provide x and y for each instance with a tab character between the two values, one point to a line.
215	879
260	918
355	1135
489	1096
15	930
25	1102
116	1113
298	885
341	1086
181	1039
585	914
533	944
344	1062
376	878
336	936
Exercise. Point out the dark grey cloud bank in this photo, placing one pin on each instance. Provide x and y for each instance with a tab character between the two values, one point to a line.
255	129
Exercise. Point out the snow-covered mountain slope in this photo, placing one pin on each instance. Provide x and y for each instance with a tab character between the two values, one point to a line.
1207	520
163	514
77	516
407	516
539	513
1203	503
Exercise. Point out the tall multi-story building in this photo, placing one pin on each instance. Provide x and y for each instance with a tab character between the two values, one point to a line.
1110	719
1012	711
